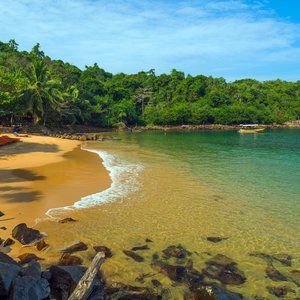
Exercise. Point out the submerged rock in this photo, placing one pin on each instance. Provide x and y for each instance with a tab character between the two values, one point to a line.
274	274
64	280
145	247
216	239
212	292
280	291
75	248
41	245
26	235
28	257
148	240
67	220
8	242
225	270
104	249
1	214
69	260
28	287
284	258
176	251
175	273
133	255
295	277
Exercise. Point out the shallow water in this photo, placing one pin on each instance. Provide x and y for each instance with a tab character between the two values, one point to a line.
190	186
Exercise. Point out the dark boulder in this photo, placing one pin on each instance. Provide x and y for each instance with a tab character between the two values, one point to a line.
134	256
33	269
176	251
175	273
8	272
212	292
29	288
274	274
64	280
216	239
26	235
145	247
75	248
225	270
4	258
69	260
28	257
1	214
67	220
104	249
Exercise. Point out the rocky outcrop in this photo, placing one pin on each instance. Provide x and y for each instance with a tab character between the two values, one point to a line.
8	273
26	235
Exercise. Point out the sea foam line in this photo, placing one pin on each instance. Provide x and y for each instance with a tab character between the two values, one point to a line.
124	181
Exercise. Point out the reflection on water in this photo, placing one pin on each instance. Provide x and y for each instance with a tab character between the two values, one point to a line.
193	186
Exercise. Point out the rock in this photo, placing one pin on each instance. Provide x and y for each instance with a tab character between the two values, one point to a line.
121	291
295	277
75	248
47	275
212	292
1	241
176	251
279	292
8	272
175	273
104	249
1	214
134	256
274	274
225	270
28	257
4	258
41	245
33	269
193	278
67	220
145	247
155	256
26	235
28	287
3	228
68	260
64	280
216	239
148	240
285	259
156	283
8	242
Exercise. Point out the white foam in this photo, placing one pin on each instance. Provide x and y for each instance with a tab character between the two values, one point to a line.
124	181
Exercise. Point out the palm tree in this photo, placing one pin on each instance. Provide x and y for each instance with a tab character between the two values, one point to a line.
43	94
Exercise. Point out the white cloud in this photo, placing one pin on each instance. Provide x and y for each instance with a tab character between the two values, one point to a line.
209	37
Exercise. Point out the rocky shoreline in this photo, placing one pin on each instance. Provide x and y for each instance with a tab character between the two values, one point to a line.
27	279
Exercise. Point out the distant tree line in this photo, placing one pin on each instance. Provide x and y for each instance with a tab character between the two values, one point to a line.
51	92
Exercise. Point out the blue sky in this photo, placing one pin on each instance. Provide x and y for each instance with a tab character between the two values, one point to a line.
232	39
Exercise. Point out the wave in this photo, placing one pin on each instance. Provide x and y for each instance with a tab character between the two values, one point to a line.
124	181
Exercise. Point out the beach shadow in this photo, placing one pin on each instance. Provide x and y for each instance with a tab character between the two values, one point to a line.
18	175
19	147
22	197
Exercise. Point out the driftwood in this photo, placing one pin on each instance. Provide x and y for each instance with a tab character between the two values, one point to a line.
85	286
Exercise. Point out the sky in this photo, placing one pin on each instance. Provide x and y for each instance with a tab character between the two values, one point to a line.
233	39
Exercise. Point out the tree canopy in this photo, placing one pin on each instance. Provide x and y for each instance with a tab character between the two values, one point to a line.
54	92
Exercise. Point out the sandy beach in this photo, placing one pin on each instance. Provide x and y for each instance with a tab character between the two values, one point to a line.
39	173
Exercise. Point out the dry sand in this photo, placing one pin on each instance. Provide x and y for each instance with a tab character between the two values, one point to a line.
40	173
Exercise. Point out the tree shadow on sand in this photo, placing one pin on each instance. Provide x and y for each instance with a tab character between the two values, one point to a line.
19	175
22	197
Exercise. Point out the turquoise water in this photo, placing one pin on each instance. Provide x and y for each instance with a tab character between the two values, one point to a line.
262	170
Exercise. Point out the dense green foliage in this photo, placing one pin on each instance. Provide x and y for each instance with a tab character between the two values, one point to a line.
53	92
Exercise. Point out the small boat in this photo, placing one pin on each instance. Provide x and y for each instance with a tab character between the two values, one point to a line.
251	128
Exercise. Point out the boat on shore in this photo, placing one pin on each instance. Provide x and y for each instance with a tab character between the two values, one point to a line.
251	128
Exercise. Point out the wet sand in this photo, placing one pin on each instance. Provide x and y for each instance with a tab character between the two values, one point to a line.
40	173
